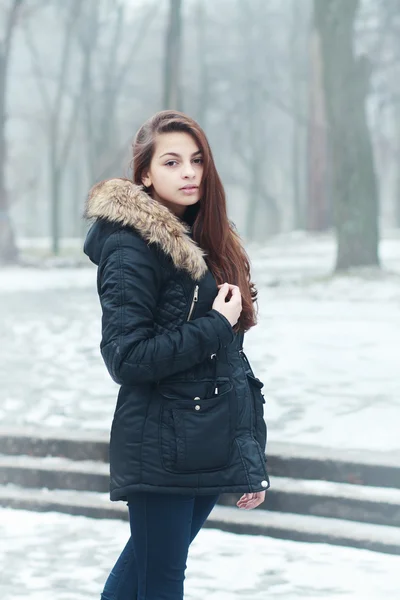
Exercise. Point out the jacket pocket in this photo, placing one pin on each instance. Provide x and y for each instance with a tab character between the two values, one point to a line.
260	426
196	425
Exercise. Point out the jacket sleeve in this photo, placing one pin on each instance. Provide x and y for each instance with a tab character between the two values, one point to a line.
129	281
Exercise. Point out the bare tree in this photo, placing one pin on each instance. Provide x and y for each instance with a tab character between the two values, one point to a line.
204	82
109	65
172	75
8	247
62	116
346	80
263	215
388	65
318	212
300	86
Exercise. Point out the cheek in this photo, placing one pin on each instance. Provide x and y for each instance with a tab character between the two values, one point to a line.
163	182
159	178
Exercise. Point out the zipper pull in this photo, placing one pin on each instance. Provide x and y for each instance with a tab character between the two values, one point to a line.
194	300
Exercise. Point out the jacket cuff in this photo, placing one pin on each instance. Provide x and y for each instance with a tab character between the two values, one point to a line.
222	325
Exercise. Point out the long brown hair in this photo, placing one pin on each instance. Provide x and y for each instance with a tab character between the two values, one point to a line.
212	230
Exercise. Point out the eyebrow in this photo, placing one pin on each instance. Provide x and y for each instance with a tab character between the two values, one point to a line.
178	155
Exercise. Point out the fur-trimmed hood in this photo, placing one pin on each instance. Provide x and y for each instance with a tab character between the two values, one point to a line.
121	201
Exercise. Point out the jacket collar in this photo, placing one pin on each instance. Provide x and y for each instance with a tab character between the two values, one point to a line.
121	201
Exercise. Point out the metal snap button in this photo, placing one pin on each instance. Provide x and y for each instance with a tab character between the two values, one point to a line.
197	407
213	355
196	398
264	483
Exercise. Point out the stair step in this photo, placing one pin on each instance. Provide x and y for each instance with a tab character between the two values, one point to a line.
379	538
38	441
289	526
54	473
89	504
359	467
367	504
294	461
381	469
340	490
363	503
309	497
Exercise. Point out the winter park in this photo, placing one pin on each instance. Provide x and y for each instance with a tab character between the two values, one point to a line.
300	105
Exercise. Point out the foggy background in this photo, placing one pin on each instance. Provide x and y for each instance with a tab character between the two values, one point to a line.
79	77
300	100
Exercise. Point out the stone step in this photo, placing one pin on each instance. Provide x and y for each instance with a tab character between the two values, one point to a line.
294	461
359	467
54	472
68	443
379	538
345	501
310	497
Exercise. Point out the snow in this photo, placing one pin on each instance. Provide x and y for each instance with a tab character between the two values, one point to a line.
321	488
31	279
51	555
325	347
54	463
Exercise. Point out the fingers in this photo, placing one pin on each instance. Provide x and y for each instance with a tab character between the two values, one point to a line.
225	288
244	500
249	501
235	291
229	286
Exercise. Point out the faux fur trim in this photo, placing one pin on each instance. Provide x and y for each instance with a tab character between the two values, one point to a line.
121	201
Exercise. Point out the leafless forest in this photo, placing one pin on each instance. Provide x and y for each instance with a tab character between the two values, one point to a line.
300	100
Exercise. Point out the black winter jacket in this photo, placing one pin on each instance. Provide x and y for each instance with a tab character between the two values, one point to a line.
189	414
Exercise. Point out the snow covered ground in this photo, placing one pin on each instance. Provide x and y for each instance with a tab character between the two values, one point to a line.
60	557
326	348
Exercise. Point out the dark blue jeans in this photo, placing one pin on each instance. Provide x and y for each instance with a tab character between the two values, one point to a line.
153	562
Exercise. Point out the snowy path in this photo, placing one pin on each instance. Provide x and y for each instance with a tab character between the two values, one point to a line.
327	349
60	557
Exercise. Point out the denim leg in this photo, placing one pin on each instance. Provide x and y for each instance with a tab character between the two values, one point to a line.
121	583
160	530
203	505
175	520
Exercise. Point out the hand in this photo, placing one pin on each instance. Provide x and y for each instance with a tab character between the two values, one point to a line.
249	501
231	309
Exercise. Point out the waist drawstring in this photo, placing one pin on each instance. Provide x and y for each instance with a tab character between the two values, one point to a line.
214	358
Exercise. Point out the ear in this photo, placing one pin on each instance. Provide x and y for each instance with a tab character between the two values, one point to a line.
146	179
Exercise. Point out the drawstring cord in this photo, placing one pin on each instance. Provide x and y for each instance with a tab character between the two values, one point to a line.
214	358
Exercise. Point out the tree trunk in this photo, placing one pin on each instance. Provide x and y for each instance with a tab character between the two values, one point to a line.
318	210
397	197
397	159
172	76
8	247
59	146
353	170
300	67
203	96
55	200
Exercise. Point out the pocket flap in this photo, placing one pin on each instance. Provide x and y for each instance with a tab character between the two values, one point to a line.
255	381
190	390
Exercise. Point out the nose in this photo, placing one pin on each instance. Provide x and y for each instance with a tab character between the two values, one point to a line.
188	171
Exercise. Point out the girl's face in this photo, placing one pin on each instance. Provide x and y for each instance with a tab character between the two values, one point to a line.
176	171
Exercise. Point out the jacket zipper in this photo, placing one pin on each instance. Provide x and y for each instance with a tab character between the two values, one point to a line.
195	298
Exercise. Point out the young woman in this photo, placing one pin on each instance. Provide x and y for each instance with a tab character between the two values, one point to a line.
175	291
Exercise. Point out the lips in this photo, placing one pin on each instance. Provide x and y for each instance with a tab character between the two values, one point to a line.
190	187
